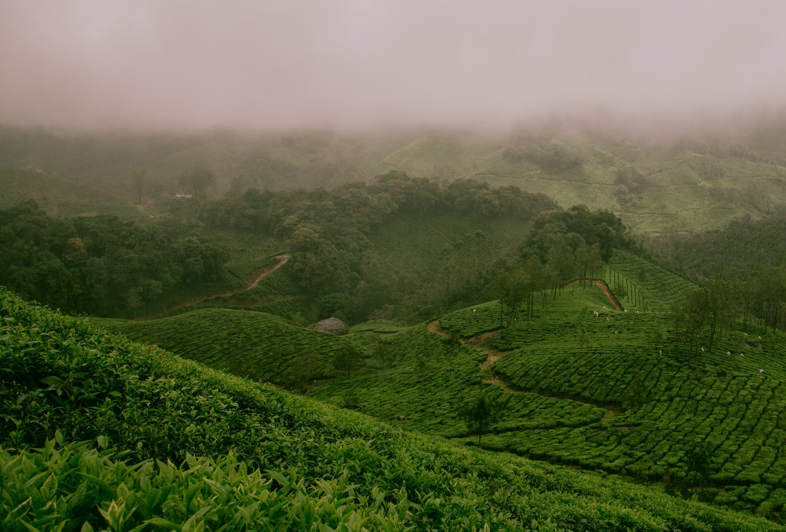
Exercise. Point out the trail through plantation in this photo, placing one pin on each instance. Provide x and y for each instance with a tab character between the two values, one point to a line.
604	288
250	284
483	341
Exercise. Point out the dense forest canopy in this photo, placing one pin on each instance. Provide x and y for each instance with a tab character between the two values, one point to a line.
104	265
98	265
742	270
742	244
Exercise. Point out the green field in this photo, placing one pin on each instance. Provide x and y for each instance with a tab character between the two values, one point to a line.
169	443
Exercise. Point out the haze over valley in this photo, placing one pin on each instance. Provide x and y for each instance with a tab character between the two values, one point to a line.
392	265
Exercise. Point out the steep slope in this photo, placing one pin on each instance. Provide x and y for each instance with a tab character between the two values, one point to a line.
303	465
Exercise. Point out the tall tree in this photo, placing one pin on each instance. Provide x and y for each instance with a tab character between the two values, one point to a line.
479	414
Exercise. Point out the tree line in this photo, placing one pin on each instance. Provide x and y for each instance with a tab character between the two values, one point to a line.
755	297
563	246
336	263
99	265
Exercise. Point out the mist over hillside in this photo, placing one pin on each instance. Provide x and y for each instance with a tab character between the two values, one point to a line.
392	265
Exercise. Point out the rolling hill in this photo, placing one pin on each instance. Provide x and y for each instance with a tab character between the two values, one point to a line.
246	343
616	392
169	443
689	184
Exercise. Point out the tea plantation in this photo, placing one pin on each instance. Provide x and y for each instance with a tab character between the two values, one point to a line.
247	343
614	392
99	433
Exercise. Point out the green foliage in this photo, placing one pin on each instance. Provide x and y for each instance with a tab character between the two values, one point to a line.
647	286
59	196
692	185
338	258
575	226
347	358
197	180
99	264
515	287
743	244
616	392
294	462
479	414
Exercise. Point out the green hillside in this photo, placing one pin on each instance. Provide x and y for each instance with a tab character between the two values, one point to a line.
171	443
642	285
246	343
59	196
688	184
616	392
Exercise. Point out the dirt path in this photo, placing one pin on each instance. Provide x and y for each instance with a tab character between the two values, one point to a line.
250	284
483	342
604	288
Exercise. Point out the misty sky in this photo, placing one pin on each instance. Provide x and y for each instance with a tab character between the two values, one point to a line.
366	63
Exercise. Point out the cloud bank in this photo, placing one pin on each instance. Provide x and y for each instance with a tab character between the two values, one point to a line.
370	63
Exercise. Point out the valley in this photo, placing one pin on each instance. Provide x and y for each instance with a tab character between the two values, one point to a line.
392	266
581	383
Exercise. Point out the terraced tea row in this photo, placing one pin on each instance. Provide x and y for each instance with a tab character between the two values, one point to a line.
642	285
730	404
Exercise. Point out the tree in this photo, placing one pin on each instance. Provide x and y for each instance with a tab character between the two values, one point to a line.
537	279
139	185
691	317
697	463
514	288
588	260
479	414
198	180
562	264
347	359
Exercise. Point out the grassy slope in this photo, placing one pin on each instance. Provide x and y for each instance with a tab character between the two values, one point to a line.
642	285
62	378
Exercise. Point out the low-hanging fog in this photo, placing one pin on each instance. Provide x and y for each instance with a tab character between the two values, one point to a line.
369	63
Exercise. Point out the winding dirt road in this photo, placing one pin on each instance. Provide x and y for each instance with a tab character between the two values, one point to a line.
250	284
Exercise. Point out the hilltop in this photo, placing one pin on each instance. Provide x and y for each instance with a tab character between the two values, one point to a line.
168	442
